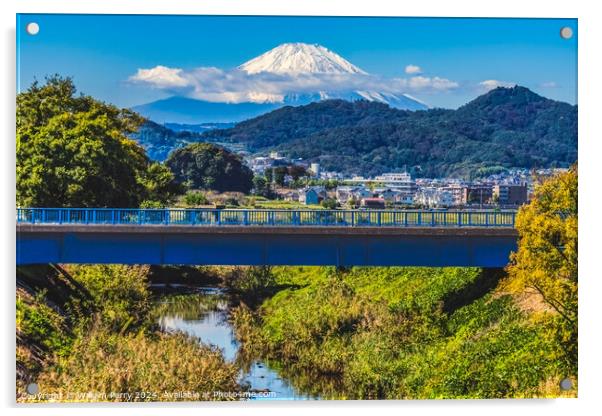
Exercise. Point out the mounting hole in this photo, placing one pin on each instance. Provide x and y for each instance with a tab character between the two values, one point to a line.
32	28
566	32
566	384
32	388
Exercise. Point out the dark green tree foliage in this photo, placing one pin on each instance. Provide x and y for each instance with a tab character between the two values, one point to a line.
207	166
269	176
507	127
280	173
73	151
260	184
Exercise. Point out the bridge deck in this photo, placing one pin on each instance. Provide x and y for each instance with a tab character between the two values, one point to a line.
266	230
265	245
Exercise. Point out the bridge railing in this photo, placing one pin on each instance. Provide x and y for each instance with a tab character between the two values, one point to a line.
244	217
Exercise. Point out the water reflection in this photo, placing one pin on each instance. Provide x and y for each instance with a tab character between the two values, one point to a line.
204	315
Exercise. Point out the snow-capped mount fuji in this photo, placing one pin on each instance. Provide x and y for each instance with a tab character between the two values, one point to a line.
288	60
299	58
303	58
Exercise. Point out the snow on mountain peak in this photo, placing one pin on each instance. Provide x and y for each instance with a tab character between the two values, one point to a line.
293	58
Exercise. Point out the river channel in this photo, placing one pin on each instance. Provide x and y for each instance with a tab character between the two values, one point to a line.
204	315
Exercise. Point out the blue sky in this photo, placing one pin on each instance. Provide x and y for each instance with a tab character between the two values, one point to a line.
103	53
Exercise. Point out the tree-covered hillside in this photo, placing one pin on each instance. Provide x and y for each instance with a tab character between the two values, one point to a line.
509	127
159	141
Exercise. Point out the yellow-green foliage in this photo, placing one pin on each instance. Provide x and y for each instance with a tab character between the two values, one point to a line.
546	260
38	323
149	368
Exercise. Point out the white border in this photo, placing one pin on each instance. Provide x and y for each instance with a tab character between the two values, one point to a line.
590	139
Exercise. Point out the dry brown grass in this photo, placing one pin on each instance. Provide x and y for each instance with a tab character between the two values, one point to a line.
106	367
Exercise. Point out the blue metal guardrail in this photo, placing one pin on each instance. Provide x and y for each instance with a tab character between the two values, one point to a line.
282	217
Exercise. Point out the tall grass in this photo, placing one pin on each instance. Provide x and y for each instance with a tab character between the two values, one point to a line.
140	368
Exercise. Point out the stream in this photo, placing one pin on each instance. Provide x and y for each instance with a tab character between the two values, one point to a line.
204	315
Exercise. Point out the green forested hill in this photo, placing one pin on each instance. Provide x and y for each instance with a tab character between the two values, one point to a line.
510	127
289	123
159	141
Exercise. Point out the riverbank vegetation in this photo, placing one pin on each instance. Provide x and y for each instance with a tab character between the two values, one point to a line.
89	333
403	333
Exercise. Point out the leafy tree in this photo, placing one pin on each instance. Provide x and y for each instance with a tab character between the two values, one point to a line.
279	175
269	175
546	260
259	184
74	151
207	166
160	185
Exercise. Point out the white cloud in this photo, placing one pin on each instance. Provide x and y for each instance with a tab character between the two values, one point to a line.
413	69
491	84
160	77
235	86
436	83
550	84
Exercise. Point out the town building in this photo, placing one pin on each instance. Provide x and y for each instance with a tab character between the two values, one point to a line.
457	193
434	197
477	194
385	193
402	186
312	195
509	194
345	194
393	178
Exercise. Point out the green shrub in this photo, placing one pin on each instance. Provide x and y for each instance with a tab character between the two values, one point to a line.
195	199
329	203
39	324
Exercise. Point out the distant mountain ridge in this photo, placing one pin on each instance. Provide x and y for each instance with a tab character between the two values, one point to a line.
509	127
198	128
184	110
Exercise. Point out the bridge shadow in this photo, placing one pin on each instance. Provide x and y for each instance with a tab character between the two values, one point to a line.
486	282
59	287
183	275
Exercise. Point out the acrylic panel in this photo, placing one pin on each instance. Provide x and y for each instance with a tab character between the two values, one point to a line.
290	208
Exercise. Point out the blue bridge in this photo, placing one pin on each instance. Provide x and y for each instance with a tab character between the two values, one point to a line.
265	237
